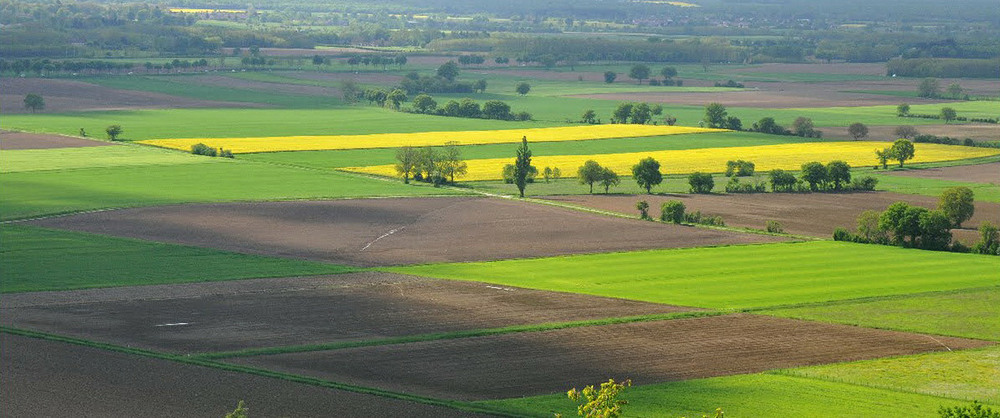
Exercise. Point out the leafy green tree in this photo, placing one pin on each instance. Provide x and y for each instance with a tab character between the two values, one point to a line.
989	239
522	88
902	221
929	88
522	166
622	113
468	108
113	131
647	173
868	227
547	174
668	72
901	151
767	125
496	109
935	230
955	91
715	115
641	113
639	72
589	116
480	86
815	174
781	180
589	173
948	114
396	98
803	127
241	411
350	91
451	161
610	76
448	71
643	207
452	108
672	211
424	103
34	102
957	203
429	163
701	182
838	172
903	109
406	162
734	123
603	403
609	178
906	132
857	130
883	156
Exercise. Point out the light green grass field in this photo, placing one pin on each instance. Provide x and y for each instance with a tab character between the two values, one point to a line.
186	86
353	158
30	194
37	259
737	277
934	187
972	375
12	161
971	314
749	396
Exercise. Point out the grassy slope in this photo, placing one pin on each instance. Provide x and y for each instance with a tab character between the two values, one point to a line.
755	395
353	158
43	259
737	277
87	157
46	192
973	314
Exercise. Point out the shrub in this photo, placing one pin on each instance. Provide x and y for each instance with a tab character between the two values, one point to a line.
701	182
224	153
735	186
976	410
774	227
842	234
643	207
202	149
672	211
697	218
863	184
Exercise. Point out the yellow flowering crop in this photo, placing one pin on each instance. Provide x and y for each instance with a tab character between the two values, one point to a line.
419	139
713	160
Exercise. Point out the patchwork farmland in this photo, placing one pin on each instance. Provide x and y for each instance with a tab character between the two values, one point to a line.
259	233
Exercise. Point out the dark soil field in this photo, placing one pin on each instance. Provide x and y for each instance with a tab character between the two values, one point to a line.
979	173
978	131
68	95
26	140
377	232
274	312
41	378
814	214
513	365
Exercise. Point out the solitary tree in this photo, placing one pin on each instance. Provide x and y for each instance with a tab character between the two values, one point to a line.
715	115
948	114
480	86
901	151
668	72
903	109
929	87
406	161
906	132
610	76
647	173
448	71
701	182
451	162
522	166
622	113
609	178
643	207
839	172
672	211
857	130
589	173
815	174
113	131
589	117
639	72
34	102
957	205
522	88
884	155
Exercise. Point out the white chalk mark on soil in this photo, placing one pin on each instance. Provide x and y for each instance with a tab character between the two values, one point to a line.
383	236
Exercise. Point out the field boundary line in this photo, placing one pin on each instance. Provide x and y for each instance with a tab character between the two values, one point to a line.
189	360
866	299
453	335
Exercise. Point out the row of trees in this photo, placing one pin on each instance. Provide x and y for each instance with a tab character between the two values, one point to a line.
717	116
432	165
468	108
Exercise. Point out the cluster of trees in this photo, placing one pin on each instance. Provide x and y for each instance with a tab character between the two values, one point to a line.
472	59
46	66
636	113
443	81
202	149
814	177
947	114
369	60
900	150
591	172
431	165
468	108
674	211
911	226
946	140
641	72
717	116
931	88
944	67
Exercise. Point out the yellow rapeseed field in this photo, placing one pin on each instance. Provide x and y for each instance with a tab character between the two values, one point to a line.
420	139
713	160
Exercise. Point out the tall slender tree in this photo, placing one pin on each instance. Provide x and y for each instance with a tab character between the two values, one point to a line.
522	165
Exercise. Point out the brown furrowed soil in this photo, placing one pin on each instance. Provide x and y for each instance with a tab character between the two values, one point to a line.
68	95
977	131
979	173
535	363
26	140
41	378
814	214
372	232
234	315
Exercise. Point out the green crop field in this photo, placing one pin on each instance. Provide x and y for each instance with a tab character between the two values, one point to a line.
12	161
354	158
187	86
933	187
737	277
755	395
36	259
29	194
970	313
970	375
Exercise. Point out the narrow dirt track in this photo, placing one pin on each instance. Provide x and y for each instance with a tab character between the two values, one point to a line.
537	363
375	232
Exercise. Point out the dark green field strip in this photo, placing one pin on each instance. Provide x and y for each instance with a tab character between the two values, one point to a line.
463	406
452	335
188	86
37	259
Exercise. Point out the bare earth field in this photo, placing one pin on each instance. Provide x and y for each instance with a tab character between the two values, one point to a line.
283	88
68	95
833	68
276	312
534	363
983	132
378	232
46	379
979	173
26	140
815	214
